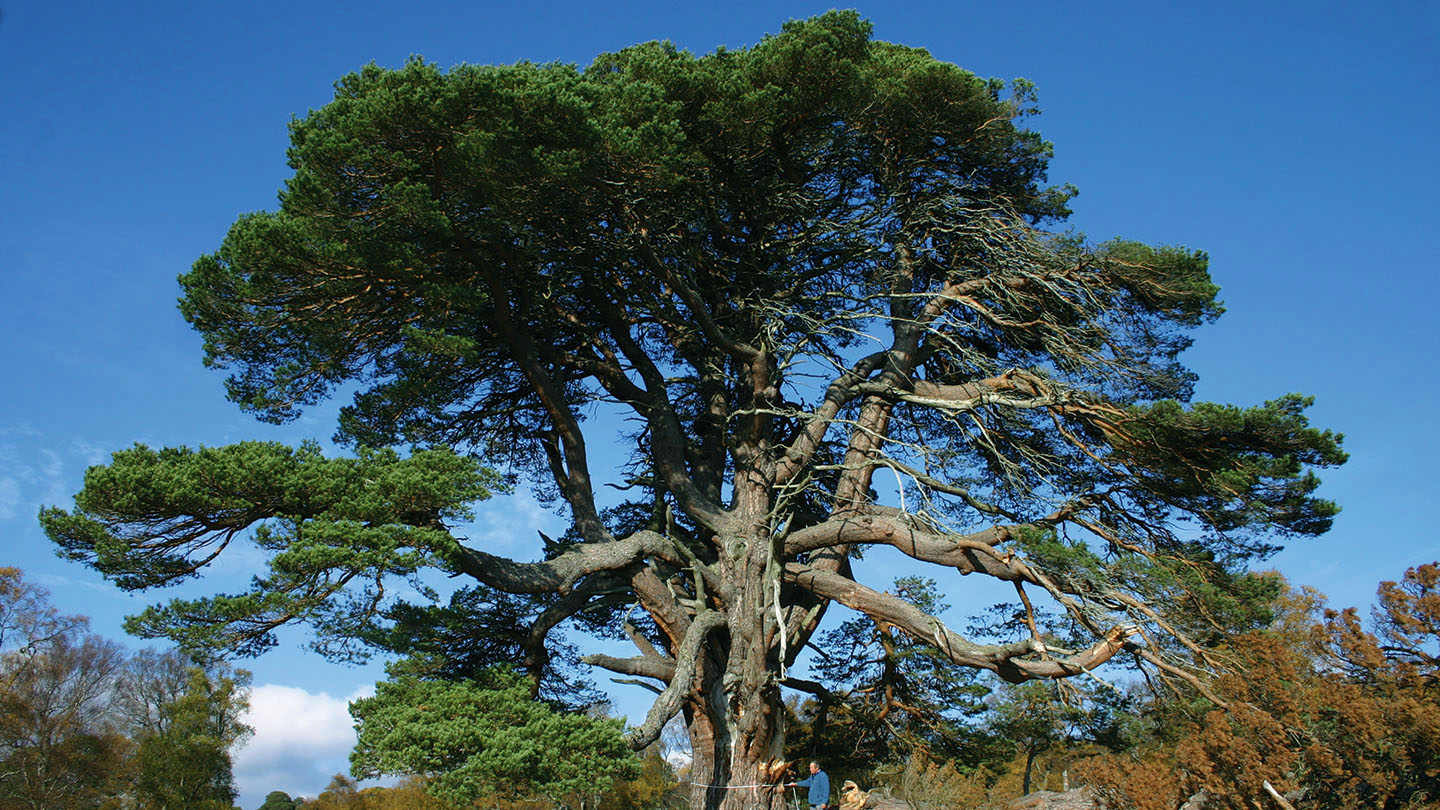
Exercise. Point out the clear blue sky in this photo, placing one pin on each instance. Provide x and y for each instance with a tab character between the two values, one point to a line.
1295	142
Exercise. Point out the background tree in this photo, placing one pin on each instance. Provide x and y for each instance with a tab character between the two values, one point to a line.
28	622
278	800
409	794
183	761
148	682
343	793
1034	719
185	719
1074	719
1405	647
926	783
655	786
83	724
485	736
59	743
791	266
1318	707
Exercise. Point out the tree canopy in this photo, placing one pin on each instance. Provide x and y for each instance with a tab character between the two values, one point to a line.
782	271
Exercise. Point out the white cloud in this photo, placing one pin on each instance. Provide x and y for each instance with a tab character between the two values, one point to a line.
301	740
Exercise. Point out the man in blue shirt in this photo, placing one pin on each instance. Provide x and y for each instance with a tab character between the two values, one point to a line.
819	785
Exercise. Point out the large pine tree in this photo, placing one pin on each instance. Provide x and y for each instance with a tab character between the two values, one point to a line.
815	278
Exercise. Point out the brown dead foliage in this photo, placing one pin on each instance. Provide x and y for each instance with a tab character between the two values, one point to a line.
1342	717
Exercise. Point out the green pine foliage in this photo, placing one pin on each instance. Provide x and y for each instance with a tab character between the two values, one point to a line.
486	736
153	517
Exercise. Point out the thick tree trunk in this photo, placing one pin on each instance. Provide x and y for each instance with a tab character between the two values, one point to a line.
704	764
733	746
742	733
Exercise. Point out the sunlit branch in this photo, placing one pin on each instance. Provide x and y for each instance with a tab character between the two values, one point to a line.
1006	660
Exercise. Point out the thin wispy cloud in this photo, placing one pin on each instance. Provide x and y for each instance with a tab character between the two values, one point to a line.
90	453
52	477
9	498
33	473
55	582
